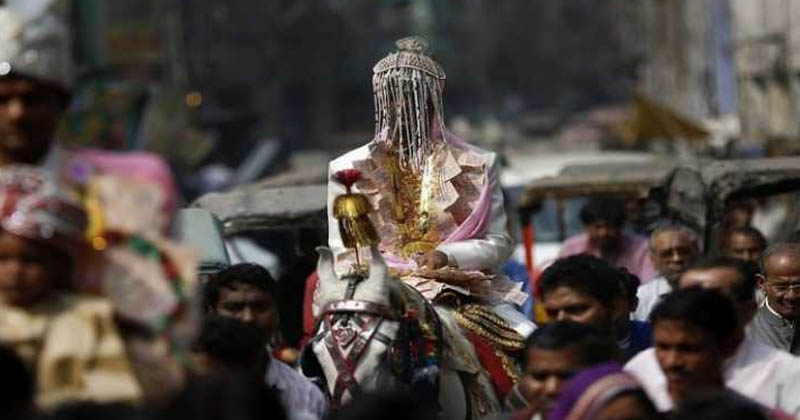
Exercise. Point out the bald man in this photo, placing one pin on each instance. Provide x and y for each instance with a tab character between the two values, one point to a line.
777	320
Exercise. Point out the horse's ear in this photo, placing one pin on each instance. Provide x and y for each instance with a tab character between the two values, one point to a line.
325	263
329	287
377	265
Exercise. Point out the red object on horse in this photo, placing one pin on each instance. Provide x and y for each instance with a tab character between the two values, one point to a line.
347	177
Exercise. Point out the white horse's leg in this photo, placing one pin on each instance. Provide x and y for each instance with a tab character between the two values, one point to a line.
452	396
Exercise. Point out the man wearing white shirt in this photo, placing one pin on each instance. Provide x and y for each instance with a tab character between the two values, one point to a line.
757	371
776	322
246	292
672	249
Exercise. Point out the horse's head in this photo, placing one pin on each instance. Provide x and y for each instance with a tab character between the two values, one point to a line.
358	323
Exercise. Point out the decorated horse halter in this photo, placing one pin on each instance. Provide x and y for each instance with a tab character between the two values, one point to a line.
412	349
356	333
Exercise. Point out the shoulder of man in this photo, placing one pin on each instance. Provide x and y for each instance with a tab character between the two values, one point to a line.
282	374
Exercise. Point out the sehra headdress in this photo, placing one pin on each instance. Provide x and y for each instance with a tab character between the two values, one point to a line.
408	85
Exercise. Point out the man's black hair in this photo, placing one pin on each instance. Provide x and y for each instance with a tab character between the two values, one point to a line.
630	284
230	342
744	288
719	406
702	308
748	231
586	274
593	345
604	209
244	273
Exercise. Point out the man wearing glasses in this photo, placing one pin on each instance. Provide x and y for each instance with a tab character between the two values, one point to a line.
778	319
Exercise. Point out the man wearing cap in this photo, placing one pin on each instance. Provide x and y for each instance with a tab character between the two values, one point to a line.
69	342
35	81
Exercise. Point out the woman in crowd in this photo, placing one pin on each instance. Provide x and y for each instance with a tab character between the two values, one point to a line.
603	392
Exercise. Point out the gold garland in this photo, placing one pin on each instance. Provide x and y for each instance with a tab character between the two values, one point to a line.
411	205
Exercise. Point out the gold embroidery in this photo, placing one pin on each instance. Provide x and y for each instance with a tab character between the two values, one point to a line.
482	321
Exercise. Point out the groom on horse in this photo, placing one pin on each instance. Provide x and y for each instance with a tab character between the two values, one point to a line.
437	217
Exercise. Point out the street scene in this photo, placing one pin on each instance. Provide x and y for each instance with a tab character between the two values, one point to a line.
399	209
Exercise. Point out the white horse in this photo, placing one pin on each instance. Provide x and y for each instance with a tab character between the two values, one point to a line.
362	340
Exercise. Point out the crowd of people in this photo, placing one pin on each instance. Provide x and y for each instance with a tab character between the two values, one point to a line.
102	315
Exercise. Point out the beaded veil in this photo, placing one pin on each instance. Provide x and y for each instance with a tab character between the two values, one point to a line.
407	86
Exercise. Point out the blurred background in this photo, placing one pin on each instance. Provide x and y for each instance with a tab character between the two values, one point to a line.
232	91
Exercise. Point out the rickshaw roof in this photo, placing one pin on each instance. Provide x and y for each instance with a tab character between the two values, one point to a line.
700	191
262	207
631	179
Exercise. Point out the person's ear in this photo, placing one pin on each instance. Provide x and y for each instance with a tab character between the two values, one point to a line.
761	282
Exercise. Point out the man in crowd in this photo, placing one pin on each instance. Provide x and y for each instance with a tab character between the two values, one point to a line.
694	334
553	353
745	243
760	372
247	292
586	289
672	249
603	219
778	319
35	80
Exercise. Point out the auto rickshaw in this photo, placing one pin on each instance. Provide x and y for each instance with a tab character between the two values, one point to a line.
552	204
271	222
699	194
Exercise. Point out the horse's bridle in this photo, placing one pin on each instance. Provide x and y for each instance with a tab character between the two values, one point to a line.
368	323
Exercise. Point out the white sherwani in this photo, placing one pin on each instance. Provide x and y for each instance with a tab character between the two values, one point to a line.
766	375
471	254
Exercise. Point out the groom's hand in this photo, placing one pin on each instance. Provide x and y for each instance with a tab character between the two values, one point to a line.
432	260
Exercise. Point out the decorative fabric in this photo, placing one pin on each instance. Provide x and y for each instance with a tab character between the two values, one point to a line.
415	213
501	368
590	390
33	208
150	191
71	344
